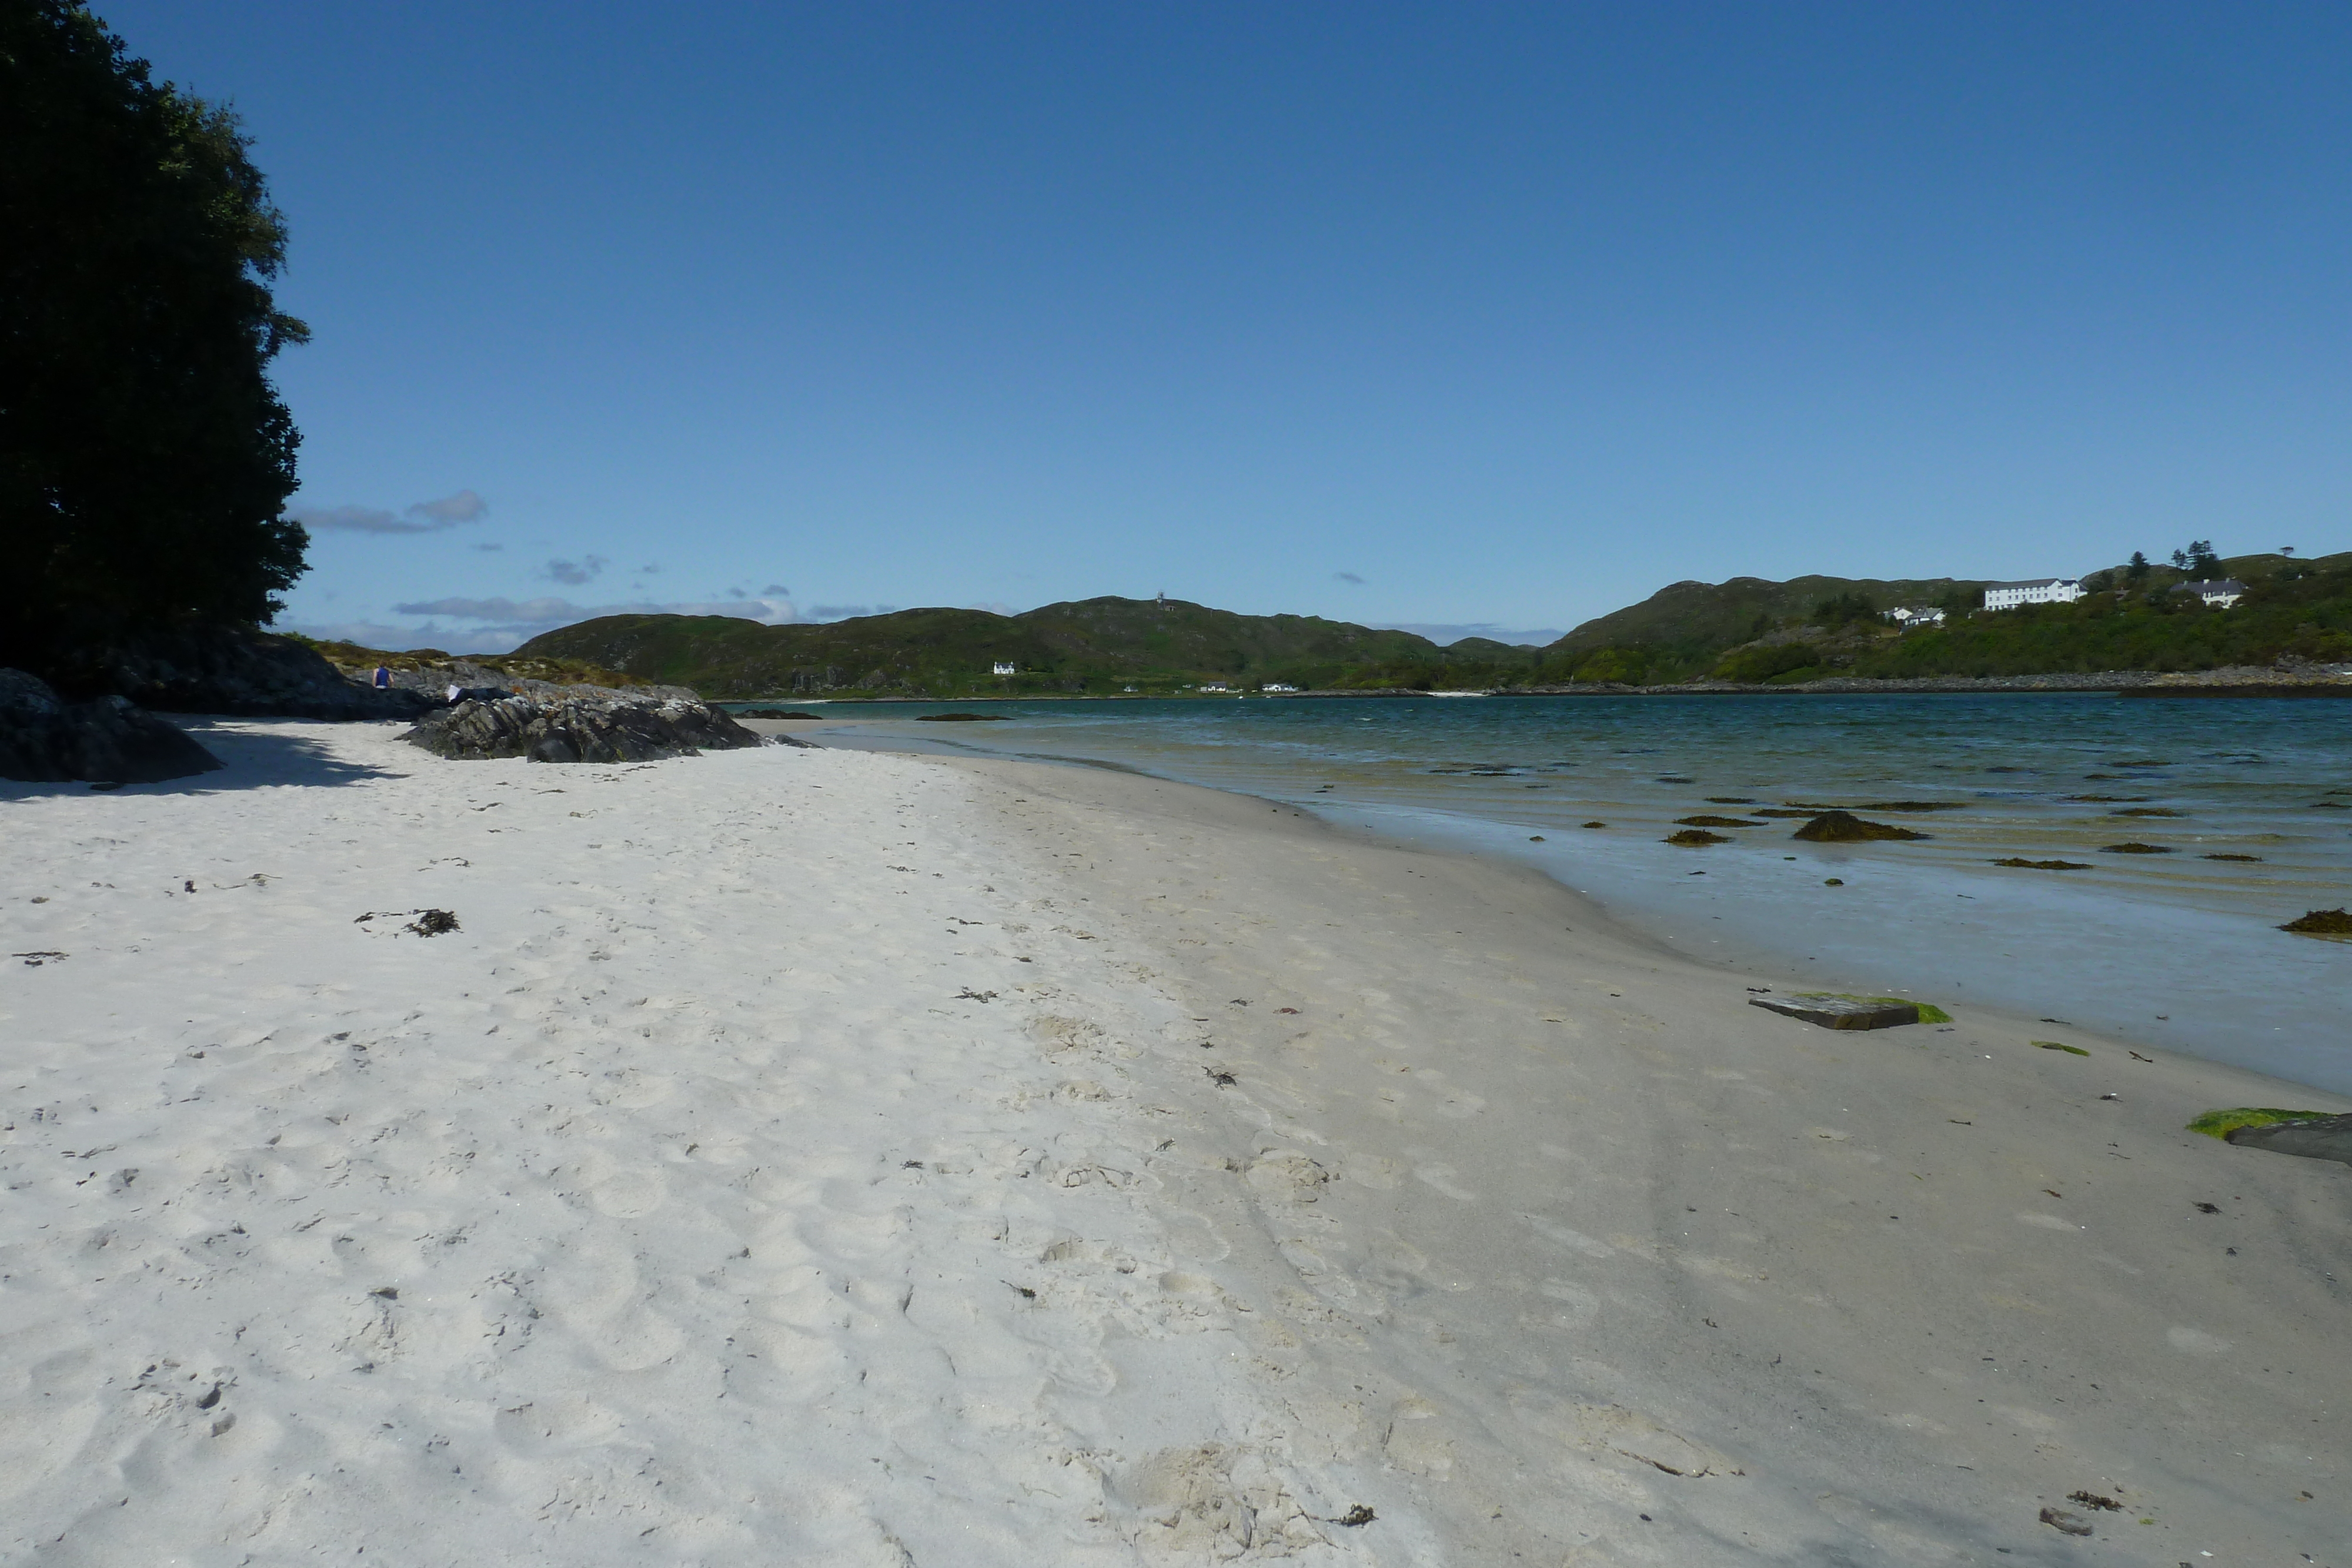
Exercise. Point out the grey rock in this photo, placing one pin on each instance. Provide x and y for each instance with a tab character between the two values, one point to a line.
2327	1138
230	670
1837	1012
606	727
45	740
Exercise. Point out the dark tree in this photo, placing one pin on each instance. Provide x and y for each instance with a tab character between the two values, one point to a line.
2137	572
144	455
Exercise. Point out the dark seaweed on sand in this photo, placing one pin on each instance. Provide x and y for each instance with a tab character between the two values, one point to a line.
2045	865
1845	827
2134	848
1695	838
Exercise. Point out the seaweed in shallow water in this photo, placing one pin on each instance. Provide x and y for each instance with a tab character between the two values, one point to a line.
1845	827
2321	923
1695	838
2131	848
2045	865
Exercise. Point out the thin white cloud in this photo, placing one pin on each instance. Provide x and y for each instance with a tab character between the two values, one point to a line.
465	506
424	518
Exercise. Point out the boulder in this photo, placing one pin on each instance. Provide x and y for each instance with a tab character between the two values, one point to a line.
612	727
229	670
1842	1013
2323	1138
108	741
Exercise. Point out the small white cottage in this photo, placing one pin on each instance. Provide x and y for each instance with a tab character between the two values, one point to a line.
1911	616
1005	667
2221	593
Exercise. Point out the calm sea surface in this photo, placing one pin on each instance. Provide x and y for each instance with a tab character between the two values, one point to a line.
2177	947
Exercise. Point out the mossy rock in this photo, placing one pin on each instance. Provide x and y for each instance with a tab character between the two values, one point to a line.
2134	848
1696	839
1704	820
1596	824
2321	923
1929	1011
2255	859
2222	1123
2044	865
1845	827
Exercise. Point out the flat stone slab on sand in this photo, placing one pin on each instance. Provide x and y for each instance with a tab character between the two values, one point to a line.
1837	1012
2329	1138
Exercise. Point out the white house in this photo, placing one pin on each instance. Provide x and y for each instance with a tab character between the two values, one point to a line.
1277	686
1213	687
1005	667
2219	591
2033	590
1911	616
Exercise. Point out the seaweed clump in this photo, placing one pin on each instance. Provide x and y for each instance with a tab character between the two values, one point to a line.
2254	858
1703	820
1695	838
1845	827
2145	812
2134	848
2321	923
2222	1123
2044	865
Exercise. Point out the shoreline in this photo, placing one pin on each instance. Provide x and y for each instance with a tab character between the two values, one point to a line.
820	1155
2228	682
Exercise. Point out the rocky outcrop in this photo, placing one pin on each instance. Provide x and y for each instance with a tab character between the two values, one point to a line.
608	727
2323	1138
230	670
45	740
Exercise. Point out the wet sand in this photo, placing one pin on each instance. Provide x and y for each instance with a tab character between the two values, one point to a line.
809	1157
1544	1224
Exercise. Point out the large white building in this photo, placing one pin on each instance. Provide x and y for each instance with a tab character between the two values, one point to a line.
2033	590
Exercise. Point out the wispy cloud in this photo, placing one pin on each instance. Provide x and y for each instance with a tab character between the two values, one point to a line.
423	518
572	573
775	588
1349	577
465	506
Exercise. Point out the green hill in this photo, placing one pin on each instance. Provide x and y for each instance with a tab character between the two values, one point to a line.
1679	632
1753	631
1094	645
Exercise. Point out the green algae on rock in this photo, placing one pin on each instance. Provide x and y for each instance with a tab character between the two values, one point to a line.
2321	923
2222	1123
1695	838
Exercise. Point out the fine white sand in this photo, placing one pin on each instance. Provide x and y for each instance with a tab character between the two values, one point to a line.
689	1204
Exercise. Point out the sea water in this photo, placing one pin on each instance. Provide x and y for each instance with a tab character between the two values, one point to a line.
2174	947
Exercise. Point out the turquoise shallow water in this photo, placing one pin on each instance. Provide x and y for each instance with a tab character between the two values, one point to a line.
2173	948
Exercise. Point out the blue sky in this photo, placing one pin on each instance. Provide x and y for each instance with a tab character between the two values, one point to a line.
1472	318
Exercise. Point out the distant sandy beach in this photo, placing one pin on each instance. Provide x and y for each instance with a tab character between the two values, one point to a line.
804	1156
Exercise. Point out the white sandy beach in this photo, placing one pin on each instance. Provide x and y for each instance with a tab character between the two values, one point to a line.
815	1157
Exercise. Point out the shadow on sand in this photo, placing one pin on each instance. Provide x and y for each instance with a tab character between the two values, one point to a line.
250	761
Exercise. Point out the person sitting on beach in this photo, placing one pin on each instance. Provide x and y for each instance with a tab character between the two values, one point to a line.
382	678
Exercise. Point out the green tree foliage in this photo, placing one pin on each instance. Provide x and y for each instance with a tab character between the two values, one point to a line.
1841	609
1763	664
2137	572
2198	560
144	455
